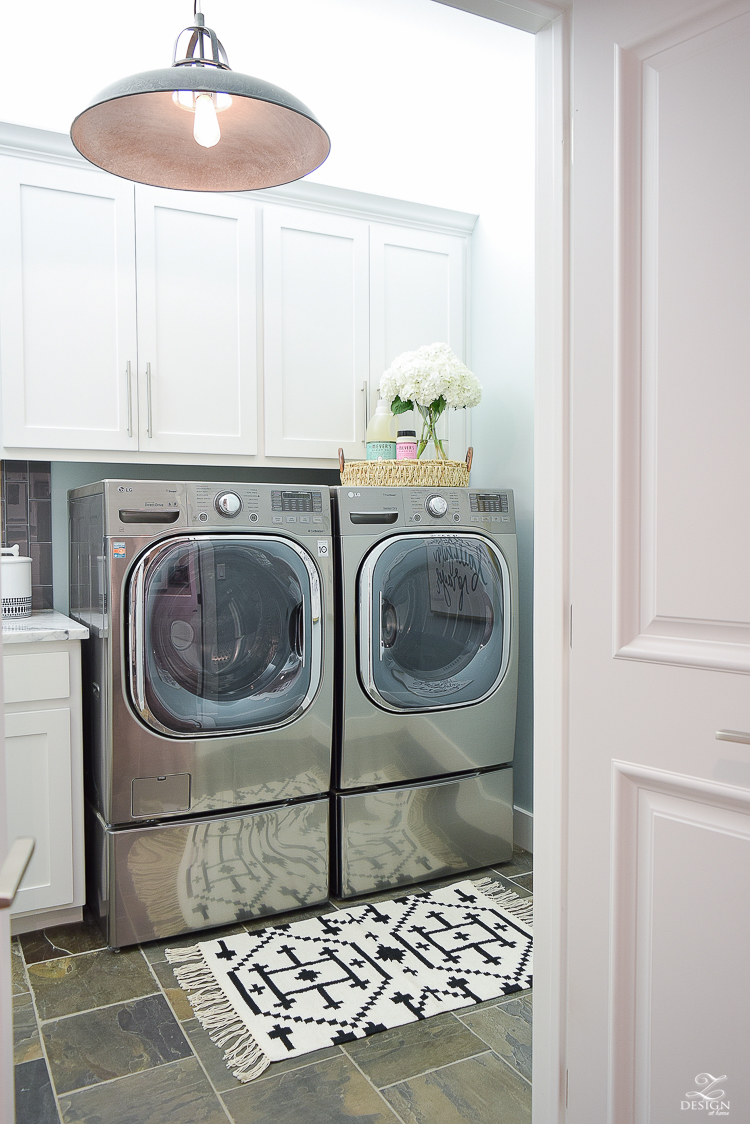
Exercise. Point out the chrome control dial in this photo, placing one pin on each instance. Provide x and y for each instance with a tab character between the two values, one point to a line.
228	504
436	506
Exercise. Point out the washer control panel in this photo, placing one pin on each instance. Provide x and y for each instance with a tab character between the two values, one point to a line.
436	506
228	504
302	511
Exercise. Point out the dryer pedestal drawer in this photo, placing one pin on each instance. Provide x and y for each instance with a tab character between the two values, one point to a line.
396	836
159	881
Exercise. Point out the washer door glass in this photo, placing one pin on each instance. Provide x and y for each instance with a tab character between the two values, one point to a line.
437	620
223	634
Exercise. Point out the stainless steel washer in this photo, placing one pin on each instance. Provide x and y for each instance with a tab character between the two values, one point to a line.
428	673
208	699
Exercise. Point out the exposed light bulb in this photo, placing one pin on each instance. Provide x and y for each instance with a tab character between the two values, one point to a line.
206	127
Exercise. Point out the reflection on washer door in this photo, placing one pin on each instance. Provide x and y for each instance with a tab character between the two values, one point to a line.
438	626
226	642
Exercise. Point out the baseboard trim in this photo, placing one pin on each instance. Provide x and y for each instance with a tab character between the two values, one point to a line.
523	829
43	919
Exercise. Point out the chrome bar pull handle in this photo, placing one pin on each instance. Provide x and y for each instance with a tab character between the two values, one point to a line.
14	868
130	399
733	736
365	397
149	425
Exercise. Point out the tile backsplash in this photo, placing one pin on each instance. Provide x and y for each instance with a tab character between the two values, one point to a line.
27	520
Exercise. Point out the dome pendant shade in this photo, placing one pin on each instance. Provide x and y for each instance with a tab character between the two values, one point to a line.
136	129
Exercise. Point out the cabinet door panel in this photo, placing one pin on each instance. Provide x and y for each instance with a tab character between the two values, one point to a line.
315	279
417	297
40	794
67	300
196	323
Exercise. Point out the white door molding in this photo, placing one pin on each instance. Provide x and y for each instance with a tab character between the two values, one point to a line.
551	578
661	614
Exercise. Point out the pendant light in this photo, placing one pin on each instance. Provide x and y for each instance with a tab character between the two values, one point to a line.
200	126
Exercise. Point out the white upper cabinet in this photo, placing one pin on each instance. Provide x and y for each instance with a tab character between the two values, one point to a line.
417	297
67	307
316	333
416	292
197	363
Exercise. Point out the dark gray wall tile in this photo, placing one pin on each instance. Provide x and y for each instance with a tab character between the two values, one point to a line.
40	521
41	563
172	1094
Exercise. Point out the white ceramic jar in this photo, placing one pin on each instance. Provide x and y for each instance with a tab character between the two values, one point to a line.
16	583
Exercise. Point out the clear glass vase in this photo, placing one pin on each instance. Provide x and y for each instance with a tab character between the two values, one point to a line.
430	446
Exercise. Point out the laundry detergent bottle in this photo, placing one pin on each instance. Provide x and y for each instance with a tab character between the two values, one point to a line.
380	437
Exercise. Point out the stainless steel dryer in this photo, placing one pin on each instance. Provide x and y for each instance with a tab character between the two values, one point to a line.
207	700
428	673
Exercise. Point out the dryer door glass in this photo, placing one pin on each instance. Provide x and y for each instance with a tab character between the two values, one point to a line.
225	634
437	620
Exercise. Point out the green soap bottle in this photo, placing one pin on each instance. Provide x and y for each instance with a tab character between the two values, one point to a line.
380	438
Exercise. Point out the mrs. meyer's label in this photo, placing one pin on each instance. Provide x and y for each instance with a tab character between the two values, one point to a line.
381	450
459	573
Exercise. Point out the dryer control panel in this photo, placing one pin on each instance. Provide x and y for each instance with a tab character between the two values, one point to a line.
369	511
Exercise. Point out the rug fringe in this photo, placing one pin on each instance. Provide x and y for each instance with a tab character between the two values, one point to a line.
508	900
216	1014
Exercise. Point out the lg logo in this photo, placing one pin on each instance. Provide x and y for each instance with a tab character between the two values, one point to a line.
121	489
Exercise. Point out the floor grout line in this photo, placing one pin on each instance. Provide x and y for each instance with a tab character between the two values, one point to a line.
447	1065
120	1077
187	1038
512	1068
42	1043
373	1086
91	1010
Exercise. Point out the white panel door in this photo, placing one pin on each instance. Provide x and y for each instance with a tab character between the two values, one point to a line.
417	297
67	304
658	850
316	329
39	790
197	363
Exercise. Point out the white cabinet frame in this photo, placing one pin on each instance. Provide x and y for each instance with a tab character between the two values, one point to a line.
45	351
49	879
280	368
197	352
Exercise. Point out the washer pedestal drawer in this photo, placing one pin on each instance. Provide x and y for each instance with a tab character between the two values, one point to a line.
148	883
396	836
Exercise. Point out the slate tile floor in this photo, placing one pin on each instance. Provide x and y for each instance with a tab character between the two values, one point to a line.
110	1038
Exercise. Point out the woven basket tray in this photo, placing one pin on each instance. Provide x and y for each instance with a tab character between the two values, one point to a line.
406	473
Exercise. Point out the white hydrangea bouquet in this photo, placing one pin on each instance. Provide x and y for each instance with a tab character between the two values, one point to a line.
429	379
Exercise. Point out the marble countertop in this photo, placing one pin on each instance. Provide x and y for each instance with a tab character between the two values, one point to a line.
43	625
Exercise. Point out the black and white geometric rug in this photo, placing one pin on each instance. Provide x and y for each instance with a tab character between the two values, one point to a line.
290	989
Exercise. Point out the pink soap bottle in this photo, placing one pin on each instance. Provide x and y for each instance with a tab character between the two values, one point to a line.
406	445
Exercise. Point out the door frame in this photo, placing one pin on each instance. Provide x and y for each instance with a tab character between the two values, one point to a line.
551	24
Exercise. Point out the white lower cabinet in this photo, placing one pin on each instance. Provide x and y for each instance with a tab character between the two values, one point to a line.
44	785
